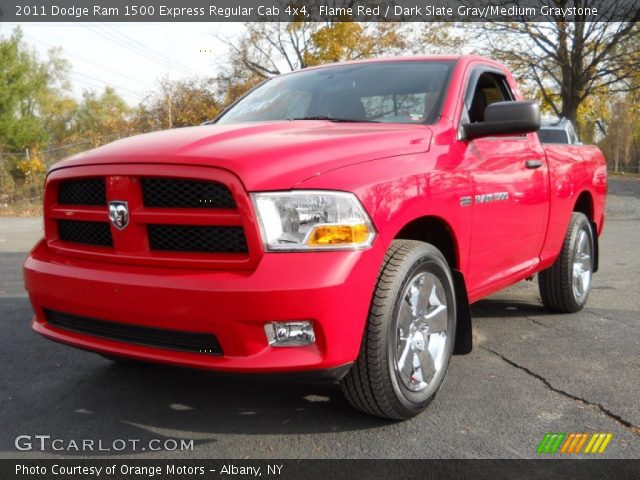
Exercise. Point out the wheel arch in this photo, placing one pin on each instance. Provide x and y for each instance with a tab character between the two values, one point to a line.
584	204
437	232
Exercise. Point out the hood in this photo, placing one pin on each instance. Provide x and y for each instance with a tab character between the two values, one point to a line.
273	155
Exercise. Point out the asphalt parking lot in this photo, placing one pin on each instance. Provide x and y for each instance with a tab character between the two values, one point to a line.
530	373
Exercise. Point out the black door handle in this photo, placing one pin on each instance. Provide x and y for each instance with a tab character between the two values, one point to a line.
533	163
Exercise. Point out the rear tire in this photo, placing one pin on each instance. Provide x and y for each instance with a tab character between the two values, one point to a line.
565	285
409	336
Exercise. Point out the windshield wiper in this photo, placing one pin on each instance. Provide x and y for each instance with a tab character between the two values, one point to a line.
332	119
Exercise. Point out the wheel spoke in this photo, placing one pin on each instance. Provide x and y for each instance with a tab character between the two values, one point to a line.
417	378
406	368
405	317
586	261
428	365
435	319
405	352
585	278
581	242
413	297
577	269
579	283
438	322
425	285
434	301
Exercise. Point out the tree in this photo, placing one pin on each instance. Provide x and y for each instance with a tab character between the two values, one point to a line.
342	41
570	60
101	118
27	86
271	48
58	116
180	103
619	140
621	145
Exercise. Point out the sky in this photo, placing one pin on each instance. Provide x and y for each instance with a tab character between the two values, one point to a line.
130	57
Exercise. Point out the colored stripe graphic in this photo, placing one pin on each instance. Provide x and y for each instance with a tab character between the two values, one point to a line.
592	441
583	439
551	442
598	443
607	439
557	443
572	443
543	443
570	439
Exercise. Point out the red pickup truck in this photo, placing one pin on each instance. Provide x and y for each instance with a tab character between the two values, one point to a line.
336	221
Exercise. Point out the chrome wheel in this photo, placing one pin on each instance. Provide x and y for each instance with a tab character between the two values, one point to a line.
582	266
565	285
409	337
421	333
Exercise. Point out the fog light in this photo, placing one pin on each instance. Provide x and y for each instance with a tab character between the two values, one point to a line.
290	334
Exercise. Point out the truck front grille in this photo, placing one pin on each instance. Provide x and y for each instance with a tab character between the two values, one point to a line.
84	191
204	343
184	193
90	233
197	238
178	216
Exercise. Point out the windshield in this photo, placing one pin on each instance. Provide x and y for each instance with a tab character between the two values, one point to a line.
392	92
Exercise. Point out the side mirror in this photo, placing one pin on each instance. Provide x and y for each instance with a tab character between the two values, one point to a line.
502	118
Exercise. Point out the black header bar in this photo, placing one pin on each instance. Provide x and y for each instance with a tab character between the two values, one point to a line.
317	11
117	469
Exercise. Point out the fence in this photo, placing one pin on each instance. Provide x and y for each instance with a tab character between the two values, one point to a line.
624	169
22	175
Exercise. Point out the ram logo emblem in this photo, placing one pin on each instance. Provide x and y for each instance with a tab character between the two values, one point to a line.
119	214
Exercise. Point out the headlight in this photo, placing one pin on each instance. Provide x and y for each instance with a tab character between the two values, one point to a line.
312	220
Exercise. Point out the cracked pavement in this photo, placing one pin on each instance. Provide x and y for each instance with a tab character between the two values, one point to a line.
530	373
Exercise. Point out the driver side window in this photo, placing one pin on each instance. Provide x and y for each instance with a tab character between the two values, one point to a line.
490	88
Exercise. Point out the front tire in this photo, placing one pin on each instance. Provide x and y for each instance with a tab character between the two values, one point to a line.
565	285
409	336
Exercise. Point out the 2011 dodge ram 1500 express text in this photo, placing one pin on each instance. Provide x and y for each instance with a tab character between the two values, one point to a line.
335	221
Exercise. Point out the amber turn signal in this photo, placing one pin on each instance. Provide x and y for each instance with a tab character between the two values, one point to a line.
339	234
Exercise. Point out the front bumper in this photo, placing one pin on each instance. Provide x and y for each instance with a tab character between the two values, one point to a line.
332	289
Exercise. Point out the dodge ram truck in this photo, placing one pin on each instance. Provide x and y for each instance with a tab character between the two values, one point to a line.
335	222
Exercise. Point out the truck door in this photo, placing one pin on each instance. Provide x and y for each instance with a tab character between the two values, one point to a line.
510	197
